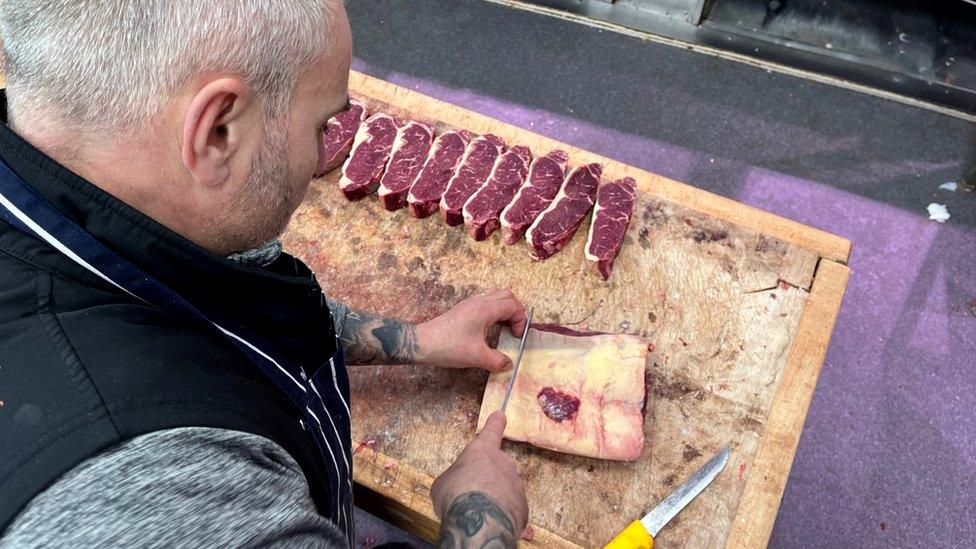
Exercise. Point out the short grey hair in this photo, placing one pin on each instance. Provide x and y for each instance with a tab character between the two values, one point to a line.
111	65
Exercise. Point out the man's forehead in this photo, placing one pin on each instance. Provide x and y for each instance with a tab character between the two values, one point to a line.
326	82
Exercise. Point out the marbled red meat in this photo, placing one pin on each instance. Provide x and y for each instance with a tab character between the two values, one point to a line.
335	141
557	405
442	161
611	216
555	227
410	150
541	186
481	211
363	169
474	170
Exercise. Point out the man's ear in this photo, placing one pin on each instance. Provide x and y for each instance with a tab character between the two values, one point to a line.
210	135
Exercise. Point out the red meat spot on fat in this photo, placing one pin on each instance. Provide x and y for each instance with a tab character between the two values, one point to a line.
558	406
742	469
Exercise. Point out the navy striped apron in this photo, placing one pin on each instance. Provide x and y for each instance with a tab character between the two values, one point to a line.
322	401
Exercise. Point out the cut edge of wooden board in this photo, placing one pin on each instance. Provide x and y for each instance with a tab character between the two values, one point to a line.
760	500
400	494
823	243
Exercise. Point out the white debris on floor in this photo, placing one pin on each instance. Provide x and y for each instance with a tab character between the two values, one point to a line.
938	212
949	186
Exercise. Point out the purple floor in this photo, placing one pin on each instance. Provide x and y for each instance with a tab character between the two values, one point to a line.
887	455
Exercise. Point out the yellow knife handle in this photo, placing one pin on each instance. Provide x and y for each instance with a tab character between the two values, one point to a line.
634	536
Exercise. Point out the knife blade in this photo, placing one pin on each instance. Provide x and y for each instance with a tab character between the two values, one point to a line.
640	533
518	359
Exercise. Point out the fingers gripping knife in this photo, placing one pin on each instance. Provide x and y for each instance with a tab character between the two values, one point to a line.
518	359
640	533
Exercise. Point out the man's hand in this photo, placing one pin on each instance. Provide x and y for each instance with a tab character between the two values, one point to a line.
480	499
459	337
455	339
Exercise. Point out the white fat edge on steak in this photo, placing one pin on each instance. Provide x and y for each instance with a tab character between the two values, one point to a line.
525	185
472	146
589	238
361	105
530	233
397	143
434	149
362	136
491	175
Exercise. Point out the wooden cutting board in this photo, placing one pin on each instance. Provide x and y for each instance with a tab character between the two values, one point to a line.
739	304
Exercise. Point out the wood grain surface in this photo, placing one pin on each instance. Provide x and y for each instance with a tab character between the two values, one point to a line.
736	301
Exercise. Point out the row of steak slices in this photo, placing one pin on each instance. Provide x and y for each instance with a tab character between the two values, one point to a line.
478	181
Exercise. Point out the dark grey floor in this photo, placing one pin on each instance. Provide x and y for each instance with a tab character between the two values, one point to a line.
743	116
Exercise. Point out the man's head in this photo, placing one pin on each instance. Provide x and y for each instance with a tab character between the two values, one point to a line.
203	115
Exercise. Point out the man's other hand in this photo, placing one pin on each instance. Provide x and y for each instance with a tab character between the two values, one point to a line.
459	337
480	499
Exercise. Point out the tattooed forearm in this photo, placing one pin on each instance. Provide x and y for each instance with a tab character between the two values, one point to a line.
474	520
368	339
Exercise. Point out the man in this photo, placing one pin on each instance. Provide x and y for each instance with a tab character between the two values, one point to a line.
167	377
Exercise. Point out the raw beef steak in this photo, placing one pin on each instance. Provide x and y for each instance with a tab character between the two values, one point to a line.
545	177
611	216
481	211
474	170
335	140
575	393
445	155
555	227
363	169
410	150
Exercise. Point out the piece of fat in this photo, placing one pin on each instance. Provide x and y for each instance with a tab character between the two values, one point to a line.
577	393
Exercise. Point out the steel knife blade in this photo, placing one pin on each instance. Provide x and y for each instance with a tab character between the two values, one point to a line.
682	495
518	359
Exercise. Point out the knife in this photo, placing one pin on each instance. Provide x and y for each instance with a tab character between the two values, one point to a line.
518	359
640	533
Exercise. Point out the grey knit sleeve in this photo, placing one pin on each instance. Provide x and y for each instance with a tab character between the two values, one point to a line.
339	312
186	487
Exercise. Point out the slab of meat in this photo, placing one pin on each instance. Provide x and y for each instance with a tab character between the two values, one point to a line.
481	211
555	226
545	178
611	216
428	188
336	140
474	170
410	150
575	393
370	151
